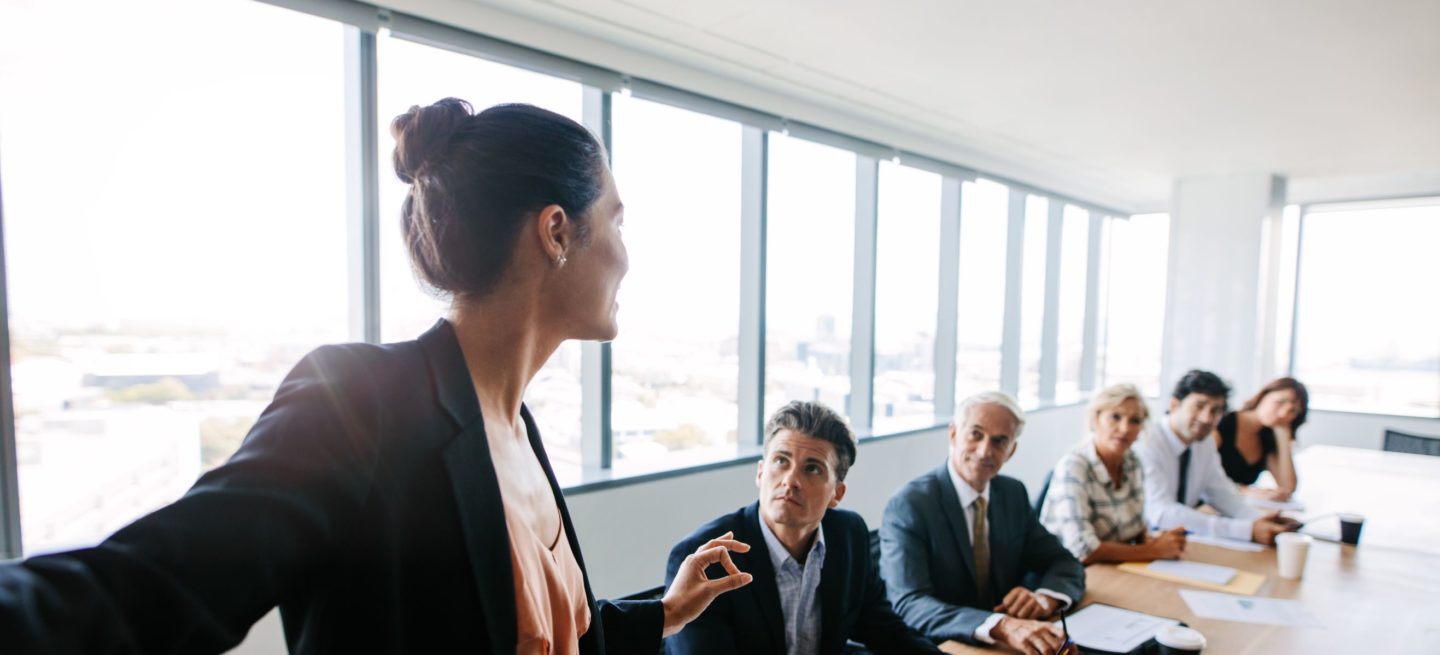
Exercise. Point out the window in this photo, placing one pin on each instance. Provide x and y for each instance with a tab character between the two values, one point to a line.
810	264
176	241
675	366
981	305
1367	328
413	74
1032	298
906	298
153	310
1134	299
1074	274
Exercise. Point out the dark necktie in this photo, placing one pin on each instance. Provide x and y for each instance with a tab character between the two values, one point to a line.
1184	477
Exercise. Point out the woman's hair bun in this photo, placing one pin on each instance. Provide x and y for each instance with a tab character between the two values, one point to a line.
422	132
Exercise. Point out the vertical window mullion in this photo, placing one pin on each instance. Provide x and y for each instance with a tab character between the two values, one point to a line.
1295	301
10	543
1014	276
1090	336
595	433
1050	329
362	177
862	333
753	179
947	318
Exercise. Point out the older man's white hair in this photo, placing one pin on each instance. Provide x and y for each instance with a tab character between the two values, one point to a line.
962	412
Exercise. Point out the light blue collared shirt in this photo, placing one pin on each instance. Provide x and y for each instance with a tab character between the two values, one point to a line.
799	587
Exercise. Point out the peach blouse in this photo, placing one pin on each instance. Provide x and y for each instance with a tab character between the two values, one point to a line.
550	604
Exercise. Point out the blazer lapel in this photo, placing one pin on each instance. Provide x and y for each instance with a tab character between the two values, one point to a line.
835	576
476	487
949	501
594	634
482	519
762	587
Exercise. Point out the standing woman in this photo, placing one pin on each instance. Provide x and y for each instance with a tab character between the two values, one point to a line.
1261	437
1096	501
397	498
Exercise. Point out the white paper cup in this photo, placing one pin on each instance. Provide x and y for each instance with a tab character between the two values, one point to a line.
1291	551
1179	640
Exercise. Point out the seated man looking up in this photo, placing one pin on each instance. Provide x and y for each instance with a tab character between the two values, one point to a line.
957	541
815	586
1182	469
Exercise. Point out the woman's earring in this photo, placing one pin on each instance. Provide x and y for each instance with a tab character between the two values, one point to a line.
560	262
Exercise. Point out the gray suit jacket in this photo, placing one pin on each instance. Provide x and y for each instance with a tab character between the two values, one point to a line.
929	565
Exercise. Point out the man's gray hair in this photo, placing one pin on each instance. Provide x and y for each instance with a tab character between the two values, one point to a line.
1000	398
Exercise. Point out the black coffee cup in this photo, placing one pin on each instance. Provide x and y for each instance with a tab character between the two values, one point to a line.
1179	640
1350	525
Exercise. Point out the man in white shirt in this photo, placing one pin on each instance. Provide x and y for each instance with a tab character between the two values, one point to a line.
1182	469
957	542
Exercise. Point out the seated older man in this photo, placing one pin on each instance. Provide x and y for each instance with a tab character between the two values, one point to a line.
957	542
815	586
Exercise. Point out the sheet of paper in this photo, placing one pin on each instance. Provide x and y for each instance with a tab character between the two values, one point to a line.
1265	611
1210	573
1287	506
1232	544
1107	628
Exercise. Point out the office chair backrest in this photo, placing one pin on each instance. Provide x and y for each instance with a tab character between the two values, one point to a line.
1402	442
1044	489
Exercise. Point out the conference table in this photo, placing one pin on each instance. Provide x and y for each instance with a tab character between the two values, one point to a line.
1382	596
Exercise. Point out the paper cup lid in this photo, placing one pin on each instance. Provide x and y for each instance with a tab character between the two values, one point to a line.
1176	636
1286	537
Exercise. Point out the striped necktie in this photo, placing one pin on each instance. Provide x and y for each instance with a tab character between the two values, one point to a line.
982	555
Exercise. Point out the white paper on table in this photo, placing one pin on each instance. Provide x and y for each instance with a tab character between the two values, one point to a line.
1248	609
1282	505
1232	544
1107	628
1211	573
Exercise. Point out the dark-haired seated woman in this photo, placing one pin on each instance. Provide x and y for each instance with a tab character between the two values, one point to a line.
1261	436
396	498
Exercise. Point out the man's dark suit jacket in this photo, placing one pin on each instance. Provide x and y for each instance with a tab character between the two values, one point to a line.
364	503
929	565
749	619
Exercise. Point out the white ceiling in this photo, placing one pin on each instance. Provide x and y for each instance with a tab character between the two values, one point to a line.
1124	94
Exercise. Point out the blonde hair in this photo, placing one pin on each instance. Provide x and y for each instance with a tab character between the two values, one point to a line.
1112	396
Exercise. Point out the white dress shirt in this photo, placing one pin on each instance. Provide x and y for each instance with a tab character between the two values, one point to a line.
1159	450
968	495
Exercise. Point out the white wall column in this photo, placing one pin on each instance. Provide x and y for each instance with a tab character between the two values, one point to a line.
1220	291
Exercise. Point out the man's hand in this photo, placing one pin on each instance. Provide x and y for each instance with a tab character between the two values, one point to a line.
1028	637
1264	529
691	592
1022	603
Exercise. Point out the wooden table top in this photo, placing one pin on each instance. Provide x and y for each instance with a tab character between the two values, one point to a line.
1378	597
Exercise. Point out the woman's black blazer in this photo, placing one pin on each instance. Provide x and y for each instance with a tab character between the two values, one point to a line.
364	503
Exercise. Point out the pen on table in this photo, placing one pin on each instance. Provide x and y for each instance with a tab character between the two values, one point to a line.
1068	646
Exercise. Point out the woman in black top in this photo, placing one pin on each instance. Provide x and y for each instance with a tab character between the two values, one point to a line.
371	499
1260	437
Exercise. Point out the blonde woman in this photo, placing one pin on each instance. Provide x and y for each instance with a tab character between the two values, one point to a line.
1096	502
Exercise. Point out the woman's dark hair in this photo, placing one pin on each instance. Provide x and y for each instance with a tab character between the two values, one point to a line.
1204	383
1302	398
475	177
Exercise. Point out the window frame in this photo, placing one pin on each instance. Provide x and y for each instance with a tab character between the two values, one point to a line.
363	22
1293	299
